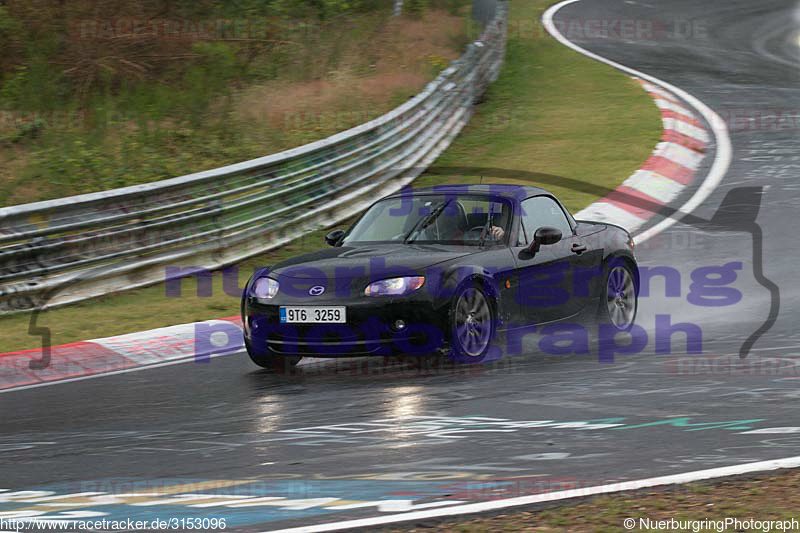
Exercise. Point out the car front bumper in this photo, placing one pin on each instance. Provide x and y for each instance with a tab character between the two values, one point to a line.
371	327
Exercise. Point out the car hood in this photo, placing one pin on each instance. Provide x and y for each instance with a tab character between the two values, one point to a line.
396	257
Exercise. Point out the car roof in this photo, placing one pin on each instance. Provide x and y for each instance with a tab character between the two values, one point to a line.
495	189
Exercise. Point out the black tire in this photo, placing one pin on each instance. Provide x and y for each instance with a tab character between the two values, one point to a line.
274	362
472	324
619	302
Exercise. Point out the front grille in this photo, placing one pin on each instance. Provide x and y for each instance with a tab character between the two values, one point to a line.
293	345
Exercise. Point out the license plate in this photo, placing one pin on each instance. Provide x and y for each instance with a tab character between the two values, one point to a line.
314	315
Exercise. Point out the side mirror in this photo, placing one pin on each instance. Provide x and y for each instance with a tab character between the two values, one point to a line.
336	235
543	236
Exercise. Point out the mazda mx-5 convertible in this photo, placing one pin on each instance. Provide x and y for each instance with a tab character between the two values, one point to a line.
441	270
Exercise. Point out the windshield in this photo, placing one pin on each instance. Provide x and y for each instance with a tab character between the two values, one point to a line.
434	219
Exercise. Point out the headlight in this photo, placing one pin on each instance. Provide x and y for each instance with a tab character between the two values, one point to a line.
394	286
265	288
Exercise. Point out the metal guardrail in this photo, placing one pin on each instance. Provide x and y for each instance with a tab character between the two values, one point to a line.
125	237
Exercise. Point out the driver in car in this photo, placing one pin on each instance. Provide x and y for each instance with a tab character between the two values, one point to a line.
497	224
497	232
443	225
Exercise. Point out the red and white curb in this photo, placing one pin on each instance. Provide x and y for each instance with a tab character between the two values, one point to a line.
668	99
79	361
664	176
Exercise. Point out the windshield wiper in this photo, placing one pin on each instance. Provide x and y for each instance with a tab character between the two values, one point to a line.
424	222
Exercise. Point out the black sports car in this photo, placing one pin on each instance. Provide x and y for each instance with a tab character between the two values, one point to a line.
441	269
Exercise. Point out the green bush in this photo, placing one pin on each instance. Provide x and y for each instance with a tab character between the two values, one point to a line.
9	33
156	108
454	7
415	8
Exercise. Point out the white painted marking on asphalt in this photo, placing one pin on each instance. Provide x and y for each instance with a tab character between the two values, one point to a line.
654	184
155	345
482	507
236	501
679	154
172	499
605	212
25	494
772	431
658	90
672	106
552	456
59	497
722	158
396	506
687	129
669	123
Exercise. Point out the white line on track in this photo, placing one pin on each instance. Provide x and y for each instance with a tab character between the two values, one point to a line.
494	505
650	182
679	154
670	105
722	158
684	128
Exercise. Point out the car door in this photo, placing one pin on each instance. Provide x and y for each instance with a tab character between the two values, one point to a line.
496	258
546	278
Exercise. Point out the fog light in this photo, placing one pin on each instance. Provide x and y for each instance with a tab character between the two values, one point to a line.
399	324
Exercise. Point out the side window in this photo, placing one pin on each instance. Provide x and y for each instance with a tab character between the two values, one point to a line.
543	211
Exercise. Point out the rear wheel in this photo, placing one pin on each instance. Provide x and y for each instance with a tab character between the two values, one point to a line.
274	362
618	303
472	319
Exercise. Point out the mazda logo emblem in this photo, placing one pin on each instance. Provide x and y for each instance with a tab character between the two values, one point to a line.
316	290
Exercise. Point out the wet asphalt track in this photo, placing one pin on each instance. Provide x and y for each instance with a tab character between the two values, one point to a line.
228	421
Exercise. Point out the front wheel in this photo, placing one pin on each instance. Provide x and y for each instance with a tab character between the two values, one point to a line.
472	322
619	303
273	362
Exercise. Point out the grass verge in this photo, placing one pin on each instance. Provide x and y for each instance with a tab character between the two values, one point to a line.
189	105
551	111
760	499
